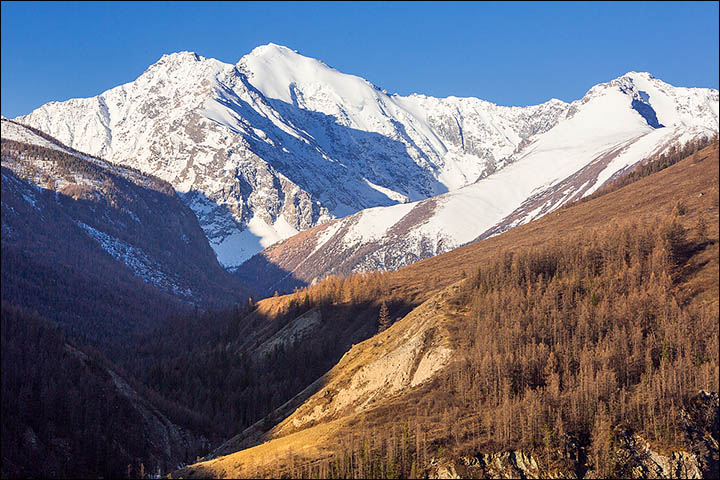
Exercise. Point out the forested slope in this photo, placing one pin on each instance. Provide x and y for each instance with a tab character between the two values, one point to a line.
66	412
582	344
104	250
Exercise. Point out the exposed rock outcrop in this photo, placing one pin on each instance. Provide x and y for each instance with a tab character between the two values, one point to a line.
634	458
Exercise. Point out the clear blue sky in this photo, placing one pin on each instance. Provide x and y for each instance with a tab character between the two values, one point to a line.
508	53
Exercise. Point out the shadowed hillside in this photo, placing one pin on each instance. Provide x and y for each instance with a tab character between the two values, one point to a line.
66	412
106	251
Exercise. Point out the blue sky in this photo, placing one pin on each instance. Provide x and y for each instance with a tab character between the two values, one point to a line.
508	53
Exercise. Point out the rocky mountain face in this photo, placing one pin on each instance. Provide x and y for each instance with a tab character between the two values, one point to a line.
280	143
72	223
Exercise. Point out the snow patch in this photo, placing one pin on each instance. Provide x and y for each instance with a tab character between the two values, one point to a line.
391	194
373	223
135	259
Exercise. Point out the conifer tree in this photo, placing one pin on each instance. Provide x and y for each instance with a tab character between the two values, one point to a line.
383	317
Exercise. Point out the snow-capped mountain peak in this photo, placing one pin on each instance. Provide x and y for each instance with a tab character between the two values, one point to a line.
177	57
182	69
307	83
280	142
662	104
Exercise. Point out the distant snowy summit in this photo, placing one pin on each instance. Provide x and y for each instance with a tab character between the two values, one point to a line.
280	143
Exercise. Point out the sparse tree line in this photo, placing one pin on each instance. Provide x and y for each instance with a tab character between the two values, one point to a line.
67	163
24	158
655	164
573	342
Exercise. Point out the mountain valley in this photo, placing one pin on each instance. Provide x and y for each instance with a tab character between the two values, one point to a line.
275	269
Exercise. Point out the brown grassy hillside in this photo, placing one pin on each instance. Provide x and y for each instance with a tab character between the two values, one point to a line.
588	330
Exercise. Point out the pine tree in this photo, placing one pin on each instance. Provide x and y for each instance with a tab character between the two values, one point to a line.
383	317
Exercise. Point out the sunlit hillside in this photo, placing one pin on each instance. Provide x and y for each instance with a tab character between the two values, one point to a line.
589	332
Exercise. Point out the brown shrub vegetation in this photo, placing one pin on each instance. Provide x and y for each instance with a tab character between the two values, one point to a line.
570	342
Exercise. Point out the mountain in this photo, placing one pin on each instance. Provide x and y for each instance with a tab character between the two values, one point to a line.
280	143
607	133
66	412
100	248
590	354
575	344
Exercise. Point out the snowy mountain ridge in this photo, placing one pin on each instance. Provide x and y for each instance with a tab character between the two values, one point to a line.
280	143
612	128
134	218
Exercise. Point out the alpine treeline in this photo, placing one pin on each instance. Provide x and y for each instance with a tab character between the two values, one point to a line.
581	341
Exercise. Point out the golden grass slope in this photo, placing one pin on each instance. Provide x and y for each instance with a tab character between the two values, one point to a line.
390	367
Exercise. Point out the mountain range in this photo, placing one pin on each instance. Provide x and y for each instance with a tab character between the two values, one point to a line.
280	143
477	290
